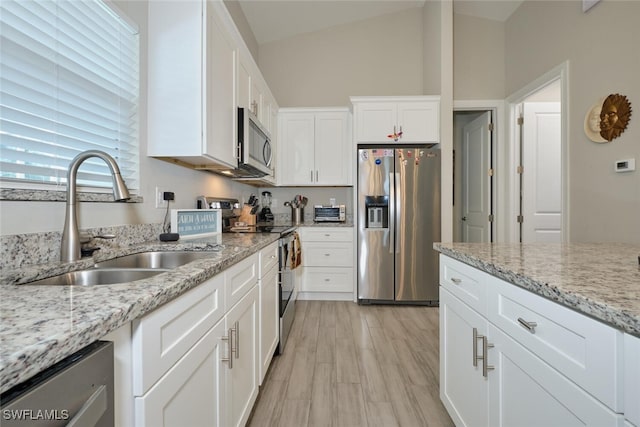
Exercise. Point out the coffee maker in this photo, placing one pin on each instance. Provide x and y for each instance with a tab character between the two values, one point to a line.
265	214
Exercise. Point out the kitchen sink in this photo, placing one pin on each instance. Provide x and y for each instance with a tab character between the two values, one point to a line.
153	260
99	276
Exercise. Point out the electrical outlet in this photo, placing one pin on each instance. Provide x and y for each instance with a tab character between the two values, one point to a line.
160	202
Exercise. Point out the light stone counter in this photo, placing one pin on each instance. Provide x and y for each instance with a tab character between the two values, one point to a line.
40	325
601	280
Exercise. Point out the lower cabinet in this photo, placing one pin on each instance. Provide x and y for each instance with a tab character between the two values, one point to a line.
517	359
193	392
327	263
195	360
269	316
242	339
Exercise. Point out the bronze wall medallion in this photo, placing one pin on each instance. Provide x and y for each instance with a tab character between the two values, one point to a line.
614	116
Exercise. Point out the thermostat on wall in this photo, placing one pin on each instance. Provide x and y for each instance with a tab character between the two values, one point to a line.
626	165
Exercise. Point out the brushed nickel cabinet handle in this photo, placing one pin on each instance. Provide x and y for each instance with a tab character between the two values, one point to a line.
529	326
475	346
485	357
236	328
229	339
456	280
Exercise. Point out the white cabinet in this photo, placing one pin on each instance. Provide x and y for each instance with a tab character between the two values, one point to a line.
526	391
242	384
314	147
632	379
176	354
192	392
327	263
464	391
269	301
195	360
509	357
396	119
191	97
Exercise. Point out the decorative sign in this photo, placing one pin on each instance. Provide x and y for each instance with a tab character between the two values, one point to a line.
192	223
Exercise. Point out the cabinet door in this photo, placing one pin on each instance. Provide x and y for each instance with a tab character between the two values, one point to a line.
525	391
296	148
242	384
375	121
269	319
192	392
244	84
332	149
419	121
463	389
220	112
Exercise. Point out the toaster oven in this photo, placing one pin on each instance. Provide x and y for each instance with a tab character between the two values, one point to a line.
336	213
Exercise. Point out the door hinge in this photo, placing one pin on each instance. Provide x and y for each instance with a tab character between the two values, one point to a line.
520	120
520	169
491	218
491	172
491	127
520	219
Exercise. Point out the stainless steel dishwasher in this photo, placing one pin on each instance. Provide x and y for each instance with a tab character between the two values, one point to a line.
75	392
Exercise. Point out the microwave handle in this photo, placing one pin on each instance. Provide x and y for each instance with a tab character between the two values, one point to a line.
267	154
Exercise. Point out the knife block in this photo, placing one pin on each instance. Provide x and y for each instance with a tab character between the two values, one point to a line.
246	216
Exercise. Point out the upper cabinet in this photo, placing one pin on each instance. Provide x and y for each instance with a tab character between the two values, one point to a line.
314	147
200	72
411	119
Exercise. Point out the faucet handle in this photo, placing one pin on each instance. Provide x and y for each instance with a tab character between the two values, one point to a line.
86	237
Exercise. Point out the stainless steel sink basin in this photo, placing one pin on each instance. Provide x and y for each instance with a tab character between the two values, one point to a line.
170	259
99	276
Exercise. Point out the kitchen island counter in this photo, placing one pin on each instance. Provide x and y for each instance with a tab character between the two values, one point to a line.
40	325
601	280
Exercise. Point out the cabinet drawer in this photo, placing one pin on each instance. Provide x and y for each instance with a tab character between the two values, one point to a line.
327	254
586	351
240	278
163	336
632	379
323	234
268	258
327	279
465	282
526	391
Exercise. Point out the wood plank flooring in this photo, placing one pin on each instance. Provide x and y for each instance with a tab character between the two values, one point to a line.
351	365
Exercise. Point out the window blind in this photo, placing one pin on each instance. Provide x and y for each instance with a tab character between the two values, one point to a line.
69	82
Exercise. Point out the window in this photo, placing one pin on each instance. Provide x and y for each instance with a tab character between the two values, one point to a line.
69	79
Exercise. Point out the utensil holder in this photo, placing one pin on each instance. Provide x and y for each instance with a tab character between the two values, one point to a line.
297	216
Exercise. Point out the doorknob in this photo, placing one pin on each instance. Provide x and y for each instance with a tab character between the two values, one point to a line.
464	218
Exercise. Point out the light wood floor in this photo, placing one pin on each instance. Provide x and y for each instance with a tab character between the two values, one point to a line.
351	365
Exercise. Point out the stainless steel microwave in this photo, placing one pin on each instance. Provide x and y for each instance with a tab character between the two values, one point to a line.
329	213
254	144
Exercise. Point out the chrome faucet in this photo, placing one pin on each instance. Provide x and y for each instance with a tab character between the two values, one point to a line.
70	249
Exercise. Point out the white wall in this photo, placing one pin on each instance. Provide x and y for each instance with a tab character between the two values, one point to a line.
378	56
602	49
479	58
31	217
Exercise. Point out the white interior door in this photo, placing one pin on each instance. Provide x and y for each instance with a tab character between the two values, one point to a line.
542	173
476	181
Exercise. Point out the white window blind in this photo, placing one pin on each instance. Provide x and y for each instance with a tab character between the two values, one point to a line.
69	82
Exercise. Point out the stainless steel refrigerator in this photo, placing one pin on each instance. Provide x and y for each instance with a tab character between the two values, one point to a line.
398	221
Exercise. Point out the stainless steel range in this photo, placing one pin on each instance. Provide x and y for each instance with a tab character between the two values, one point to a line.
286	276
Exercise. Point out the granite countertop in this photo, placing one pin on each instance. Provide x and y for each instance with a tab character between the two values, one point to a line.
40	325
601	280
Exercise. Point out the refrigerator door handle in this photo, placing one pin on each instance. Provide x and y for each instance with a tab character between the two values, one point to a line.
392	213
398	212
